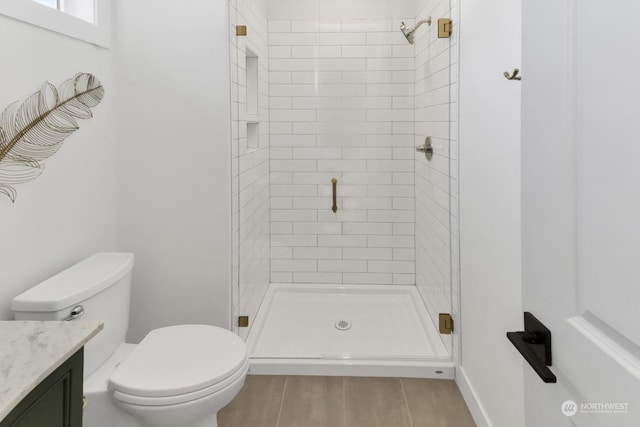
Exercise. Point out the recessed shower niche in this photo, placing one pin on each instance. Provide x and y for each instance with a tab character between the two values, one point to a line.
253	135
252	82
253	118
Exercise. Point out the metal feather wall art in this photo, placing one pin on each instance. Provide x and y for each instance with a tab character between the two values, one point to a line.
33	130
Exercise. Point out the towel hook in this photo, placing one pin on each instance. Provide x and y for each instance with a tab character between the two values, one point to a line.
514	75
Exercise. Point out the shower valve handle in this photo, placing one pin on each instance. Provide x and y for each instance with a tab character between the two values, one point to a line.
426	148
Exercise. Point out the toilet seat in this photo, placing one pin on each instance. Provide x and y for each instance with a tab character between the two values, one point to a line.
177	364
181	398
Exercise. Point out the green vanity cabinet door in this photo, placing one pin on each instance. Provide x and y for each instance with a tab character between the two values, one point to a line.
55	402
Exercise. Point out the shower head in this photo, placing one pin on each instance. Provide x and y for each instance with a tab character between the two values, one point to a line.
408	32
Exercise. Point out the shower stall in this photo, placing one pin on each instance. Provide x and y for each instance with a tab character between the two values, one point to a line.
344	186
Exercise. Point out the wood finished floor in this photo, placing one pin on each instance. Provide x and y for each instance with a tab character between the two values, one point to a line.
301	401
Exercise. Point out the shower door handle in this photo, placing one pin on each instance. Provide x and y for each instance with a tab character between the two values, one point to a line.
334	184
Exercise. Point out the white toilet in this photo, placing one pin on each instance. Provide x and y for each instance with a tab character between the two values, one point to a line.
177	376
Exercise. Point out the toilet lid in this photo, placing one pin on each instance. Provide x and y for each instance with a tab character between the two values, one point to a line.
180	359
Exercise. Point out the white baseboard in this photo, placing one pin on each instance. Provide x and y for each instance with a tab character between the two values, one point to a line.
471	399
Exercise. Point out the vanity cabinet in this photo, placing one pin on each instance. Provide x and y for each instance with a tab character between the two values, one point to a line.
55	402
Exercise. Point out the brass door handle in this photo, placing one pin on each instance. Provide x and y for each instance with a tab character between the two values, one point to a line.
334	183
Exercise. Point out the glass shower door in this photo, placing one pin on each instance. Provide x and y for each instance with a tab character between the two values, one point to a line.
436	170
249	62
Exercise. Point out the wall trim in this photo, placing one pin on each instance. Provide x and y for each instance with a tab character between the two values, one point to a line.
471	399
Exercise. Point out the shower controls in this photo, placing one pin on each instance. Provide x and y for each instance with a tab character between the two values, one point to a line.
426	148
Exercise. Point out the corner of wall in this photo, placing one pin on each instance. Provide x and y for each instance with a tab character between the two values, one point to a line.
472	399
490	290
174	161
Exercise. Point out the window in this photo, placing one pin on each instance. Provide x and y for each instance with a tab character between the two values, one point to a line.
86	20
50	3
81	9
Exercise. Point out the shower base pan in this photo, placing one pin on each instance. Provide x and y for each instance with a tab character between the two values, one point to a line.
347	330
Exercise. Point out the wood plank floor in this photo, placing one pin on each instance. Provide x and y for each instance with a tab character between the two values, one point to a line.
301	401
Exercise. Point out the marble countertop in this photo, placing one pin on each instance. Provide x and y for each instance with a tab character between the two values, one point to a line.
30	351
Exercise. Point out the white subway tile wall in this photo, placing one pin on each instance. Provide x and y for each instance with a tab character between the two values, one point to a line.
250	165
341	98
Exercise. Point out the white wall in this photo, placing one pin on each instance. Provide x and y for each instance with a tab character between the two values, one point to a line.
491	375
68	213
174	160
250	168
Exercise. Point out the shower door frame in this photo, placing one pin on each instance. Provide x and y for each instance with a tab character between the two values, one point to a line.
451	156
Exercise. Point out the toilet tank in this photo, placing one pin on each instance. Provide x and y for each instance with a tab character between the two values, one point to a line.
101	284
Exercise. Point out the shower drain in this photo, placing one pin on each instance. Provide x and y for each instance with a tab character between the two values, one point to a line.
342	325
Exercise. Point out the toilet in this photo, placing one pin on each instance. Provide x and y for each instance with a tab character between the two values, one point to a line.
177	376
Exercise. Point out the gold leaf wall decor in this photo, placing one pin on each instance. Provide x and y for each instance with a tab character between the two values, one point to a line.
34	130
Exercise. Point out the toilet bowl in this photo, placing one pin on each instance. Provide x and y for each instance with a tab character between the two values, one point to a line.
181	375
177	376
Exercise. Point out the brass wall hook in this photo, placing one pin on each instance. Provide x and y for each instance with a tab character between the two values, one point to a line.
514	75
